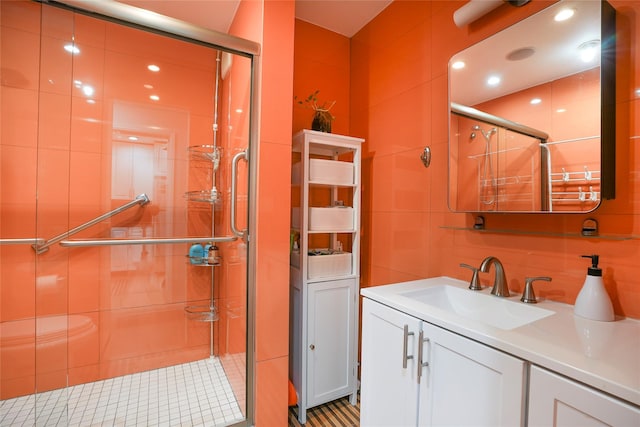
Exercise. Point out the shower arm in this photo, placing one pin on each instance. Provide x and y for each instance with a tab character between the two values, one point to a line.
141	200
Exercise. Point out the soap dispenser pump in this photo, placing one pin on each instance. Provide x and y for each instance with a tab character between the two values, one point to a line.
593	302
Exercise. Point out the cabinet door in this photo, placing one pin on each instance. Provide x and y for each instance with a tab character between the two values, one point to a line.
558	401
388	391
467	383
332	347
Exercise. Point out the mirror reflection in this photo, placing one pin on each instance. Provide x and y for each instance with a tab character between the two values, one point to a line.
526	115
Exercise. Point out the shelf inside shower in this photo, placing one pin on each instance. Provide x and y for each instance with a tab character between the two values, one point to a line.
202	313
203	261
205	152
206	196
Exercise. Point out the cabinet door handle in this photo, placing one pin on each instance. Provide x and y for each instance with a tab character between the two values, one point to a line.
421	341
312	347
405	345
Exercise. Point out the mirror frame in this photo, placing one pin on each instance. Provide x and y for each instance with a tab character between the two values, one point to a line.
607	117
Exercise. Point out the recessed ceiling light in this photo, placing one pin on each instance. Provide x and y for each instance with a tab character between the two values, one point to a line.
154	98
535	101
564	14
493	81
458	65
153	68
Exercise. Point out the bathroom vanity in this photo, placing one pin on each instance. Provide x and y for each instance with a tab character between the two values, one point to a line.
437	353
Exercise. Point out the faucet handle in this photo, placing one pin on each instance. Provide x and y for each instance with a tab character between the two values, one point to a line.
529	296
474	283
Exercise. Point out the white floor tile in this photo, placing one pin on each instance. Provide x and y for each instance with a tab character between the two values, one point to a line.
196	393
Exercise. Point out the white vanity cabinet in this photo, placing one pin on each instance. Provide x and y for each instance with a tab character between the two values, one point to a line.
558	401
388	384
415	373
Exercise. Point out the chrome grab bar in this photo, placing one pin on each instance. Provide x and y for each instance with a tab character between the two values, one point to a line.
141	200
33	241
234	192
150	241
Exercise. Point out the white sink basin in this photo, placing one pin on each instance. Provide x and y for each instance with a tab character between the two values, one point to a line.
485	308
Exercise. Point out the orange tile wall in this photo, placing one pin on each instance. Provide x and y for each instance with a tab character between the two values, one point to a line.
271	24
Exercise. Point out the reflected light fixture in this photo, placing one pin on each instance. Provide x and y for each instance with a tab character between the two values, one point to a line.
154	98
493	81
561	110
564	14
458	65
71	48
589	50
153	67
88	90
535	101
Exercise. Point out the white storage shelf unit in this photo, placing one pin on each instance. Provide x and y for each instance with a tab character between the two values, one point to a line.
322	155
324	278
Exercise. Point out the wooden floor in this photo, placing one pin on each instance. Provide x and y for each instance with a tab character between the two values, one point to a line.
339	413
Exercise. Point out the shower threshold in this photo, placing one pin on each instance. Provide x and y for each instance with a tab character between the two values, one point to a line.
193	394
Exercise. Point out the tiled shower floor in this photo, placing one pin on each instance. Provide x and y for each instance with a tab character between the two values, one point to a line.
191	394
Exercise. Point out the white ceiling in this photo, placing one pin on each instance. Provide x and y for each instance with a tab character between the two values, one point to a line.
344	17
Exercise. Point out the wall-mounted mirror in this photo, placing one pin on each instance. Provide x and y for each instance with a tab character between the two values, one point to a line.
532	117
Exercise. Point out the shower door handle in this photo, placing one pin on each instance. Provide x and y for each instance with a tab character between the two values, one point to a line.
234	193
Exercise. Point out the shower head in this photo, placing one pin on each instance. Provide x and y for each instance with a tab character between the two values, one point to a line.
486	134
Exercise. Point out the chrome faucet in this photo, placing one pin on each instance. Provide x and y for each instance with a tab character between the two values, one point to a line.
500	288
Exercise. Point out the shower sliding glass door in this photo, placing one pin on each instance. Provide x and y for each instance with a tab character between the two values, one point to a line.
124	221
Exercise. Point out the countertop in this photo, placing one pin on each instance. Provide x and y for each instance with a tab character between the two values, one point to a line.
604	355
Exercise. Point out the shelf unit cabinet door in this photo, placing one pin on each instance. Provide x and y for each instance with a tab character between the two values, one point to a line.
557	401
388	391
468	383
332	346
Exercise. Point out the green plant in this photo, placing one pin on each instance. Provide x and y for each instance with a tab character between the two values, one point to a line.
322	118
312	102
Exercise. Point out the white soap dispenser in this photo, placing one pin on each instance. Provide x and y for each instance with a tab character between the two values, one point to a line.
593	302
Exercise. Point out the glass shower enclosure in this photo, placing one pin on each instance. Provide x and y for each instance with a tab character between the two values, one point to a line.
125	213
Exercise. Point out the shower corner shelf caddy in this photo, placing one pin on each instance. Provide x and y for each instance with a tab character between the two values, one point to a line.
324	279
211	155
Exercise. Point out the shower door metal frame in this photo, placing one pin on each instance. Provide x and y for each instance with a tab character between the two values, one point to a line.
175	28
